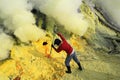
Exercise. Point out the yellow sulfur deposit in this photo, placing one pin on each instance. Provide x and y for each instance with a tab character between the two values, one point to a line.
31	63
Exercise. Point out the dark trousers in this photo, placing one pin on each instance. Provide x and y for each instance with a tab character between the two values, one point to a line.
69	57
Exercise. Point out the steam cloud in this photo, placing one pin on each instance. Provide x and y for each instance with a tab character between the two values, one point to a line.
6	43
66	12
16	16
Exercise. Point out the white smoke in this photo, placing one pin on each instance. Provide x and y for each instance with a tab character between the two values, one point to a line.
16	17
6	43
66	12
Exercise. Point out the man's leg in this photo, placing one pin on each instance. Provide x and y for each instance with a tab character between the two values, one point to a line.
76	60
67	63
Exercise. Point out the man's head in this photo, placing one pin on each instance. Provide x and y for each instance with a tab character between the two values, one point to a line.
57	42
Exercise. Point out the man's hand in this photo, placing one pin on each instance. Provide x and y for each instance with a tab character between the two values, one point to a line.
55	29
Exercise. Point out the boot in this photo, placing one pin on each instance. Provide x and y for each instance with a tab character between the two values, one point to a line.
69	69
80	68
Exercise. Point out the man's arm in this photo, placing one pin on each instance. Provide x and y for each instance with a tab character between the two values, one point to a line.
57	50
61	36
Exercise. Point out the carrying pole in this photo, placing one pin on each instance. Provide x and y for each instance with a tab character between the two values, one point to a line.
53	33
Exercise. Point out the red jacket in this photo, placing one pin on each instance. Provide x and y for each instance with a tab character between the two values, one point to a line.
64	45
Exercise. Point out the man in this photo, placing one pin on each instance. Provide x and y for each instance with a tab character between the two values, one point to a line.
64	45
